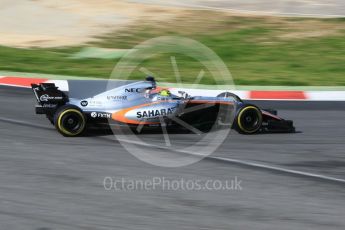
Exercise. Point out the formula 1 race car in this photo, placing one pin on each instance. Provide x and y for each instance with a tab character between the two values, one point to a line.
144	104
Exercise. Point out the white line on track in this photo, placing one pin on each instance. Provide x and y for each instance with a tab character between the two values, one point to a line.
257	12
246	163
279	169
15	121
223	159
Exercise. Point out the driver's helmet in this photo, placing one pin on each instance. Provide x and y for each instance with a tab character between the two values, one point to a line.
164	93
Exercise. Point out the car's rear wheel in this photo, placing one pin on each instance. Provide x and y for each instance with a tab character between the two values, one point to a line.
249	120
70	121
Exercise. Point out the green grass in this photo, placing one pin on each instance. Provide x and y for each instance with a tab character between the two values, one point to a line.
257	51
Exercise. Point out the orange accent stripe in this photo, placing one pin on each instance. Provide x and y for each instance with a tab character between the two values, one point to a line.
120	115
23	82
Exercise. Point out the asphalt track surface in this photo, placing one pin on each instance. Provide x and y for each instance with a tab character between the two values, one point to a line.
51	182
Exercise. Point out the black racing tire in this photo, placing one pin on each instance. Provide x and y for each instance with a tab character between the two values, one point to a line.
248	119
228	94
70	121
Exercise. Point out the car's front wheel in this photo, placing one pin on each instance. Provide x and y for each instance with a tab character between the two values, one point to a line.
248	119
230	95
70	121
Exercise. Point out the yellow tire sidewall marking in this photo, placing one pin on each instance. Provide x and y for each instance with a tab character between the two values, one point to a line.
62	129
239	118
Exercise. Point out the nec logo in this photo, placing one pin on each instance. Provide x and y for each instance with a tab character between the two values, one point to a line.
133	90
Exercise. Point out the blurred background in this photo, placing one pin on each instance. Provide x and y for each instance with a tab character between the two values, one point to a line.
286	42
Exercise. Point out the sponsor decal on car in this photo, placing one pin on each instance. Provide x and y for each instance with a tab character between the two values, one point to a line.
49	105
155	113
46	97
100	115
84	103
95	103
90	103
117	98
133	90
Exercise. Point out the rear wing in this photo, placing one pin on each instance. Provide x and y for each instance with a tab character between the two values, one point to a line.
48	97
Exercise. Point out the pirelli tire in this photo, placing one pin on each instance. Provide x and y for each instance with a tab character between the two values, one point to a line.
70	121
248	120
